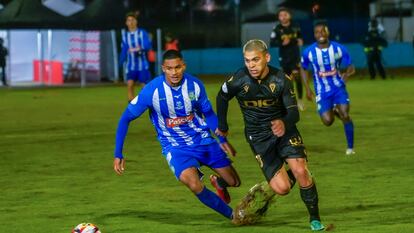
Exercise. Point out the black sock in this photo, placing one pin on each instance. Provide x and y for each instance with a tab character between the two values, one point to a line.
291	177
309	196
221	182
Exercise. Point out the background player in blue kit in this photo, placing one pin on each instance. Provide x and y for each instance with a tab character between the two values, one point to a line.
326	58
134	48
177	103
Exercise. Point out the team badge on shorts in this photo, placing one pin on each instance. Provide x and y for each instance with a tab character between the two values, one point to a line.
296	141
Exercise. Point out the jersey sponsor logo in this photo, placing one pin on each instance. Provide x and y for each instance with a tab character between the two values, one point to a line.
259	103
176	121
272	87
324	74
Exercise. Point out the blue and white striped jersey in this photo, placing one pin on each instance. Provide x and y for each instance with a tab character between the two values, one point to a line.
176	112
136	61
326	64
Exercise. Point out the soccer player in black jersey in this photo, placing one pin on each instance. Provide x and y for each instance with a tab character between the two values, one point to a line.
268	103
287	36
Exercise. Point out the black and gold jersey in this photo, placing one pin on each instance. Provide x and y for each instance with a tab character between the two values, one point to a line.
261	101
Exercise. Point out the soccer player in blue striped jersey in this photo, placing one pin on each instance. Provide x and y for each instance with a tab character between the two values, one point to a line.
134	47
184	121
326	59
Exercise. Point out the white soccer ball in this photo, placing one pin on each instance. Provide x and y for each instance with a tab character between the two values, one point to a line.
86	228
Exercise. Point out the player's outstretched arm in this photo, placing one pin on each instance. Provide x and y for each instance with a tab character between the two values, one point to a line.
121	132
212	123
305	78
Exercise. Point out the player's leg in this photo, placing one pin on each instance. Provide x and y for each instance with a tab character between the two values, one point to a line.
217	160
370	63
328	117
291	147
299	88
343	106
308	191
190	178
132	78
379	65
185	168
326	109
280	183
3	75
348	127
227	177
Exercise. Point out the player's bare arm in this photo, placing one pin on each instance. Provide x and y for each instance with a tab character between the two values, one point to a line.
350	70
300	42
305	78
228	148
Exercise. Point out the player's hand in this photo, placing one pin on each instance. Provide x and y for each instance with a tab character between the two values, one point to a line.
344	76
119	165
278	127
286	41
300	42
221	133
228	148
309	95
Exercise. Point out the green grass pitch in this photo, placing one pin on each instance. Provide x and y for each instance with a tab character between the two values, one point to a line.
56	149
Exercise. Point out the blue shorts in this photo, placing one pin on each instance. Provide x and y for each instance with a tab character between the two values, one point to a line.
181	158
327	101
142	76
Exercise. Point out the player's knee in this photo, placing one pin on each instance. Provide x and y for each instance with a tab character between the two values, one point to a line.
328	121
345	117
234	182
281	189
302	176
195	186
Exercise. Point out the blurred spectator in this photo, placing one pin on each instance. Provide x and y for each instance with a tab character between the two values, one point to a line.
375	24
288	37
3	54
134	48
373	45
171	42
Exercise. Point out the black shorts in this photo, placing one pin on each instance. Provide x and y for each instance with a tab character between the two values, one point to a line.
289	65
272	152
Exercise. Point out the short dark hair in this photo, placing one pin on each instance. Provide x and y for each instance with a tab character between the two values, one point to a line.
320	23
283	9
171	54
133	14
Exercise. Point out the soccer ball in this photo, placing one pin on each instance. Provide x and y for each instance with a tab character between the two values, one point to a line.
86	228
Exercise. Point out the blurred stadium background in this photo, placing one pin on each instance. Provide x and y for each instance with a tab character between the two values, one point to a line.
68	32
56	143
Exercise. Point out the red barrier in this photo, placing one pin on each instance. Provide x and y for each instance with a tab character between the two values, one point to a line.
56	67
